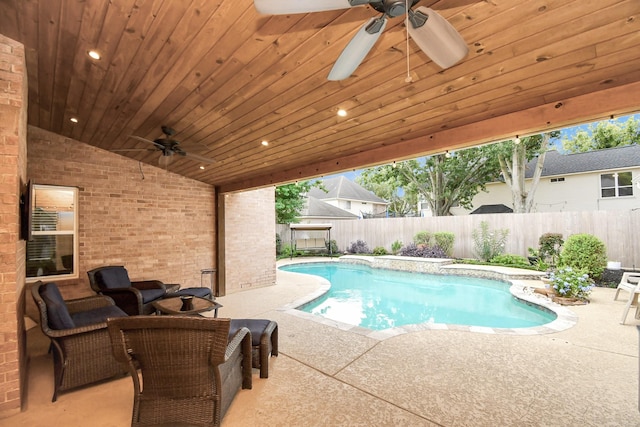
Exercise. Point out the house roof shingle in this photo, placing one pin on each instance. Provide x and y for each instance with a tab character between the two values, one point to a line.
343	188
607	159
490	209
318	209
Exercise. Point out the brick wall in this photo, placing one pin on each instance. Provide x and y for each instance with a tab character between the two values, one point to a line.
157	224
250	239
13	158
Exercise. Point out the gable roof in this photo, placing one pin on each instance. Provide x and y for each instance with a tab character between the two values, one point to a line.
590	161
345	189
318	209
490	209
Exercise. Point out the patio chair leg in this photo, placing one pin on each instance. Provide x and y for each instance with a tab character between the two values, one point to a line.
626	309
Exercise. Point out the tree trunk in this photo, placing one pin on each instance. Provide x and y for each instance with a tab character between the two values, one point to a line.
518	190
537	173
514	175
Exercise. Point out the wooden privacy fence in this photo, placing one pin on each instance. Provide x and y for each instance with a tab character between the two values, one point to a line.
619	230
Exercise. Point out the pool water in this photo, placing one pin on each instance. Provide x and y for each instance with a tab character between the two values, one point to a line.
379	299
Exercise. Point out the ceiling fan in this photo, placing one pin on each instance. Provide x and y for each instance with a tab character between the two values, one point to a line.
167	146
435	36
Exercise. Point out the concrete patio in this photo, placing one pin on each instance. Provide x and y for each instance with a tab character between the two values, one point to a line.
586	375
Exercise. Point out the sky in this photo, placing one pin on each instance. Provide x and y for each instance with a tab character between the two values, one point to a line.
564	133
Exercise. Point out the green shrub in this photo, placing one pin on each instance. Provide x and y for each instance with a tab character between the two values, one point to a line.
550	245
445	240
584	252
422	238
379	250
542	266
510	260
333	246
286	251
396	246
488	243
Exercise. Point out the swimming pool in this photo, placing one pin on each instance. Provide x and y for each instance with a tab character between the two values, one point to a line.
380	299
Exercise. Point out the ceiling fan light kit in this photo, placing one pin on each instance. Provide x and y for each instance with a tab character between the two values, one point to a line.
165	160
433	34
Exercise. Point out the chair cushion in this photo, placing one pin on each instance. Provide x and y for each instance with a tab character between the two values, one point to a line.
196	292
57	312
149	295
256	326
97	315
113	278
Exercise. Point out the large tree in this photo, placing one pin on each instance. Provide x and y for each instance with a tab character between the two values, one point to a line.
447	180
290	200
514	156
442	180
387	183
604	134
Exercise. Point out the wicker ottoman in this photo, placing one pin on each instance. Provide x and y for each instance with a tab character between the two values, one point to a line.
264	340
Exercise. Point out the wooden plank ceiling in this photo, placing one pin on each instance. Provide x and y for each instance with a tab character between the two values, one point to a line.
226	78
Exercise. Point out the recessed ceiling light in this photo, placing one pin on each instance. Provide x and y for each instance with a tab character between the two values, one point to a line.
94	54
342	113
265	143
73	120
202	167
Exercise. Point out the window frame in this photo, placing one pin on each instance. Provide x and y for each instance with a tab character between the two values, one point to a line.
73	232
616	185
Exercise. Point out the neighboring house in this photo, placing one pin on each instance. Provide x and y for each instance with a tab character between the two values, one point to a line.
314	212
318	211
351	197
595	180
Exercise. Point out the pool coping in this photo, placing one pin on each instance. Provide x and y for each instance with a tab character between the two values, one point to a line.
523	284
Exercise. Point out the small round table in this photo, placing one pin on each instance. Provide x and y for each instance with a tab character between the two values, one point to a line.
172	306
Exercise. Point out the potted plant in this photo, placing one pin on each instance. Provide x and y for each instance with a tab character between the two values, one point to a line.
534	255
550	246
571	286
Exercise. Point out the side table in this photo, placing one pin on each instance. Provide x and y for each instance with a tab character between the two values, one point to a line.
173	305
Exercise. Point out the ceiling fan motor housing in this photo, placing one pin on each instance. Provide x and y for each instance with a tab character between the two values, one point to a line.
392	8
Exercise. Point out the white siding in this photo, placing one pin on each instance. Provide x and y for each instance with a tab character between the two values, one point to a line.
579	192
357	207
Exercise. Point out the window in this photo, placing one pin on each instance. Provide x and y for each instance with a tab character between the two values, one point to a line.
557	179
616	184
52	250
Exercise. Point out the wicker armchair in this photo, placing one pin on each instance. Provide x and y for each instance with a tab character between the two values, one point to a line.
79	338
190	372
132	297
136	297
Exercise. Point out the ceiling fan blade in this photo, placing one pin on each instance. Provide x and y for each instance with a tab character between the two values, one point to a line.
198	158
357	49
124	150
437	38
285	7
139	138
